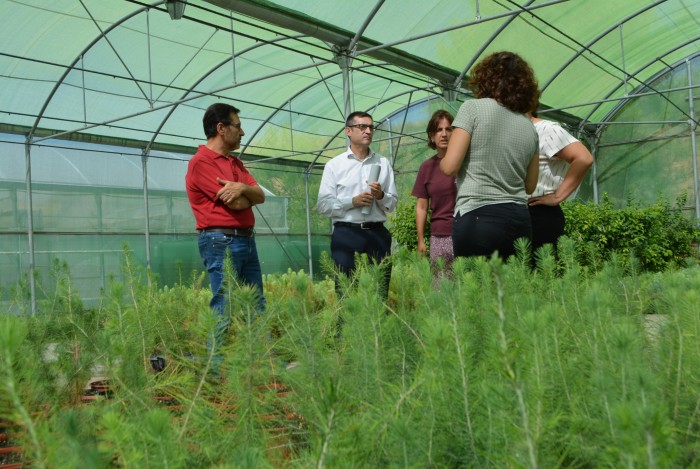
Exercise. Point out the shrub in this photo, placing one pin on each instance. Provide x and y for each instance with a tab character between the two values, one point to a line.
659	235
403	225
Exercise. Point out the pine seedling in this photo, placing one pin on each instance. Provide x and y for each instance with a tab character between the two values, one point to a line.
678	348
66	337
70	438
329	410
20	296
509	369
453	328
462	358
306	325
146	441
409	276
14	385
367	334
140	295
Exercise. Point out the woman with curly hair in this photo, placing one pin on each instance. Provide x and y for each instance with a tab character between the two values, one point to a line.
493	151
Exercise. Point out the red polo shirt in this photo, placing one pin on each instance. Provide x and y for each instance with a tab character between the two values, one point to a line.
202	186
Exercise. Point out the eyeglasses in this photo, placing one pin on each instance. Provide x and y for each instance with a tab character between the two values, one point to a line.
364	127
237	126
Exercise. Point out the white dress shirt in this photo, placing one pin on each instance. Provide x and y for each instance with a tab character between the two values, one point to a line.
344	177
552	169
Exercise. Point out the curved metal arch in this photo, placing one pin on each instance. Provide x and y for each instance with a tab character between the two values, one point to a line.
288	102
180	101
207	75
600	36
103	35
280	108
652	78
325	147
70	68
486	44
365	24
459	26
318	153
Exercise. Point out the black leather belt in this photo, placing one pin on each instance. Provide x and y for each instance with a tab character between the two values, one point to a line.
368	225
245	232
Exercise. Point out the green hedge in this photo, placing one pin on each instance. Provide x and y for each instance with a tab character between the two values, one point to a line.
659	235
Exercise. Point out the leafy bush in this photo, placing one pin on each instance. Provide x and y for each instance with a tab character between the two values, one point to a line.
403	225
659	236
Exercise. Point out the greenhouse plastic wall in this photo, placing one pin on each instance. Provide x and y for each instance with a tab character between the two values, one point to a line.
88	200
646	148
87	206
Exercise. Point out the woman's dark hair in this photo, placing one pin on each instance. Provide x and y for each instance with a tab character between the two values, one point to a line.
507	78
433	123
218	112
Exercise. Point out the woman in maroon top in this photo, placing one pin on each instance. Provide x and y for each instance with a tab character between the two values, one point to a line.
437	191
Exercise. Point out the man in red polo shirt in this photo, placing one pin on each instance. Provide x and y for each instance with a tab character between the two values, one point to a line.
222	193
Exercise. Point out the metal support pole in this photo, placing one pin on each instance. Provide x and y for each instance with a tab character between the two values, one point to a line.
146	227
307	171
233	48
448	94
693	139
594	170
391	136
344	59
82	76
622	54
30	225
291	127
150	60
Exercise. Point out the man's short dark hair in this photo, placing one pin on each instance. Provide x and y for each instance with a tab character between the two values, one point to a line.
217	112
351	118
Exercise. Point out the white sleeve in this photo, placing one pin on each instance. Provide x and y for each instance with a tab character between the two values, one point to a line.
553	138
328	202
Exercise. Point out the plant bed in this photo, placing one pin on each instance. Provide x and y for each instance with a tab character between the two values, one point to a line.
10	450
499	366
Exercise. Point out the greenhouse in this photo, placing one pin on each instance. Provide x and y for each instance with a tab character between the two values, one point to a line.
101	106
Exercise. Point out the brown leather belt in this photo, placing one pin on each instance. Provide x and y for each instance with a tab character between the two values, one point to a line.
245	232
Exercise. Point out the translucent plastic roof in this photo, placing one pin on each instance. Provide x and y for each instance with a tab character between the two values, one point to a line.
124	72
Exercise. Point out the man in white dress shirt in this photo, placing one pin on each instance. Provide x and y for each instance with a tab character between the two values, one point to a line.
357	206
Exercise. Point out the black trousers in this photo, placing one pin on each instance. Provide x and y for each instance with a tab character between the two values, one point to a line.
547	225
489	229
375	242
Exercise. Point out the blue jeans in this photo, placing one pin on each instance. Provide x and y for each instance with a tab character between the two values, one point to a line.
246	267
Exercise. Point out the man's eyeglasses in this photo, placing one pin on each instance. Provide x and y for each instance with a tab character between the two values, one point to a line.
238	125
364	127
